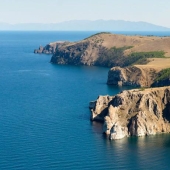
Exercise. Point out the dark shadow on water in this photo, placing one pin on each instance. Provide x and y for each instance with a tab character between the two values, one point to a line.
120	87
97	127
105	137
102	83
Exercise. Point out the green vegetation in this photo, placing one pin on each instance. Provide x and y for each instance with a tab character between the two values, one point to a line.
164	74
111	57
142	57
142	88
115	57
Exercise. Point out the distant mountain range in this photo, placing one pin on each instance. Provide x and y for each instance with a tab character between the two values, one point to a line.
86	25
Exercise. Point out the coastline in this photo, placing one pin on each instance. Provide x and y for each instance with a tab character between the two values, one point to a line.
143	71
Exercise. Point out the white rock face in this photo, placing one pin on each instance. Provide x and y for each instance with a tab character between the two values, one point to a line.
99	108
134	112
118	132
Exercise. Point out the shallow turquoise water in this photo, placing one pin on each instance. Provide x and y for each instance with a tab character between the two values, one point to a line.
44	115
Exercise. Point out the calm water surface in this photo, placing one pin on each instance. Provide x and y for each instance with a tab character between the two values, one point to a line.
44	115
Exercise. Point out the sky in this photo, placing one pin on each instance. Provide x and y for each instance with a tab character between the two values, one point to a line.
55	11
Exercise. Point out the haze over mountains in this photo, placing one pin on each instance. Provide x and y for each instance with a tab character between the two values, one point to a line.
86	25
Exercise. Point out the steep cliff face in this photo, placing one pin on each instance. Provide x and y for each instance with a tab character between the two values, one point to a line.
131	76
76	54
134	112
50	48
138	76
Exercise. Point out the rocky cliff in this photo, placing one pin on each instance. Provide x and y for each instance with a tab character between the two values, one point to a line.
106	49
50	48
131	76
75	54
139	76
134	112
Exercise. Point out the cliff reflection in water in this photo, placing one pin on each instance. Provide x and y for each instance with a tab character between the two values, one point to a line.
141	151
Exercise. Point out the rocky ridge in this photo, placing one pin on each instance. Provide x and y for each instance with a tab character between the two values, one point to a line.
138	112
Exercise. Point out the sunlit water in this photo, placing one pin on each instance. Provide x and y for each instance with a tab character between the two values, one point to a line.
44	115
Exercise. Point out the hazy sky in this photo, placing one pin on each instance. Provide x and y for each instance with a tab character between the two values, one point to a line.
52	11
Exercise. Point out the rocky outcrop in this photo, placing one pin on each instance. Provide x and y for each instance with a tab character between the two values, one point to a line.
101	106
50	48
74	54
134	112
131	76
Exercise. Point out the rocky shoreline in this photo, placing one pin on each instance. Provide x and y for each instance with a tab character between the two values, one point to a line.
108	50
133	112
120	53
138	112
131	76
50	48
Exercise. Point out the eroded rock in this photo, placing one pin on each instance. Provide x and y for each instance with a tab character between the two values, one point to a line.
134	112
131	76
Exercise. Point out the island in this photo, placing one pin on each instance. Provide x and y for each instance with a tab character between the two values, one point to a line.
138	61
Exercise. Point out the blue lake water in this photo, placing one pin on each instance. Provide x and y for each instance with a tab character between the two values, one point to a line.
44	115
